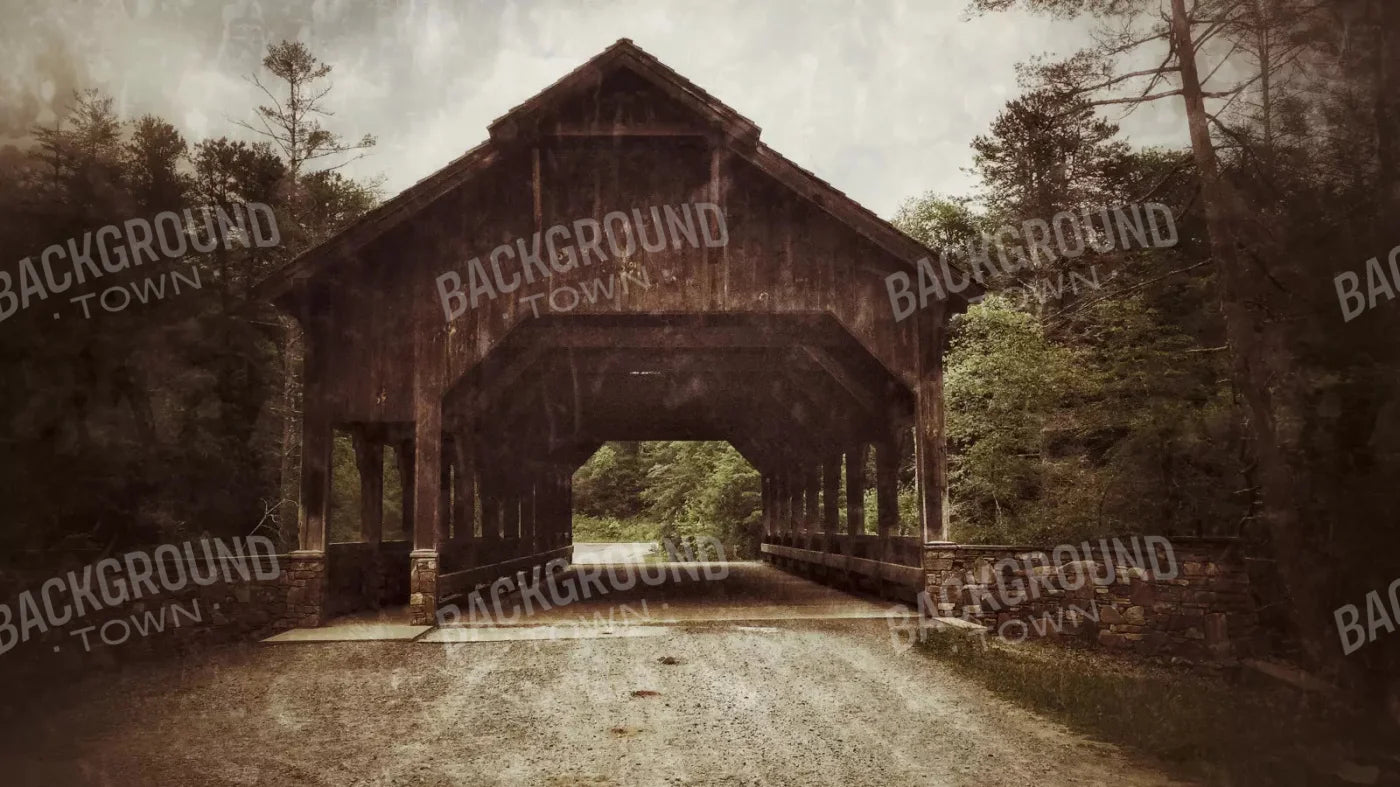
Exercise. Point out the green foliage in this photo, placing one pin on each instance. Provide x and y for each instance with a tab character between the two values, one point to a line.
1088	408
680	488
168	418
610	483
609	528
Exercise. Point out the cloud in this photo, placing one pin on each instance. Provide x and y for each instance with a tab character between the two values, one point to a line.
881	99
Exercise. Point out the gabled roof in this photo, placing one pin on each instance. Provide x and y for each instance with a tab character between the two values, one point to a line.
740	133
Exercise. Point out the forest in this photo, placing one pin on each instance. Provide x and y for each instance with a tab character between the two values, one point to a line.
1224	386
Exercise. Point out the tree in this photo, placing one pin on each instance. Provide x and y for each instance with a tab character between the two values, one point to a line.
317	203
293	122
1270	318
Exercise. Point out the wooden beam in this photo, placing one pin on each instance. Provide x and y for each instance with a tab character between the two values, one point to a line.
652	129
858	392
496	384
771	334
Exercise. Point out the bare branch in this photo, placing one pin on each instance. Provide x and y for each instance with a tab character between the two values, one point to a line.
1124	77
1135	100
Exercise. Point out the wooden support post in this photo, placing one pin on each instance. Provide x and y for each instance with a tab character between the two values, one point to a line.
775	486
929	443
369	460
427	463
463	488
529	517
831	481
445	523
791	495
308	604
510	508
316	439
887	488
766	490
556	495
855	490
429	360
886	499
812	480
568	506
799	500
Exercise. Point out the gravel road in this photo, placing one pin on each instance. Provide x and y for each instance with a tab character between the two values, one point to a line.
808	701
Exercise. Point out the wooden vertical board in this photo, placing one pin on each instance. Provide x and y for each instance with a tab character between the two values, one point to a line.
764	482
537	188
709	297
831	480
794	498
855	490
786	285
887	487
403	453
445	523
316	432
510	508
812	517
568	507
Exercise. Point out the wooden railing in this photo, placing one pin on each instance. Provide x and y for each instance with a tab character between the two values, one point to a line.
897	560
494	559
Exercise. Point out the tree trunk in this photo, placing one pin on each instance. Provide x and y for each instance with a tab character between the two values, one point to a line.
289	477
1262	369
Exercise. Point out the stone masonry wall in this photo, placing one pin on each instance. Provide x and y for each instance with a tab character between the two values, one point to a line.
423	595
1186	598
229	610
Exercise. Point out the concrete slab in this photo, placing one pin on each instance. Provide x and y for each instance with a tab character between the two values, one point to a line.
612	552
671	593
352	632
958	624
526	633
670	616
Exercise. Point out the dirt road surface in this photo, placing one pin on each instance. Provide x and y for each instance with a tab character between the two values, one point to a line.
820	699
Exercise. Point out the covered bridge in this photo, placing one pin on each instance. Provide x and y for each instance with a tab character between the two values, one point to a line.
622	259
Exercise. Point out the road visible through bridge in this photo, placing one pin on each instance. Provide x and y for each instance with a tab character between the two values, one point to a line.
753	678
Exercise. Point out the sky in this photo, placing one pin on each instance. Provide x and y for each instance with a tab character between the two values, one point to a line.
881	98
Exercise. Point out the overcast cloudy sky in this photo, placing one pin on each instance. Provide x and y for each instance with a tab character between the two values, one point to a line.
879	97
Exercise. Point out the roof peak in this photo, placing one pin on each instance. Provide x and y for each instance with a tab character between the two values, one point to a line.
624	53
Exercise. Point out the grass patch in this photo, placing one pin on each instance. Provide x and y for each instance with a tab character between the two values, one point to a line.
1206	726
607	528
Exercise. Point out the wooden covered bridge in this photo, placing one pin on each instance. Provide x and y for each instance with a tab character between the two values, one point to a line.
622	259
